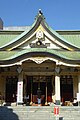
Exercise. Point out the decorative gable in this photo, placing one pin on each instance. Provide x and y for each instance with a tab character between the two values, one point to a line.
40	35
40	40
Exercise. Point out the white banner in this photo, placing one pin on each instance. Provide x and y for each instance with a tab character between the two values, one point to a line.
20	92
78	97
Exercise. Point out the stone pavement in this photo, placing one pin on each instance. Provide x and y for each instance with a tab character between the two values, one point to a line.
38	113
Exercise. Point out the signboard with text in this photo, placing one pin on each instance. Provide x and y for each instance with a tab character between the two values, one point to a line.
20	92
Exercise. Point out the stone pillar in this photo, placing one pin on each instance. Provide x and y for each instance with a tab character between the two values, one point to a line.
20	86
57	85
78	95
78	83
57	89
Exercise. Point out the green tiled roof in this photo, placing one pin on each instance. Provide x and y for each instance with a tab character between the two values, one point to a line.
68	55
66	38
6	41
9	36
10	39
74	39
6	38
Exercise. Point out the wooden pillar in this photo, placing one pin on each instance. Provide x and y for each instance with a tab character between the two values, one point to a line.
31	94
53	91
46	94
75	86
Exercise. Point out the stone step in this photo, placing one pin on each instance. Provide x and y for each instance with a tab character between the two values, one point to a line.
38	113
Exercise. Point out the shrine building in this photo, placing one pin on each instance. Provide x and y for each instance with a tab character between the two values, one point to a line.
36	58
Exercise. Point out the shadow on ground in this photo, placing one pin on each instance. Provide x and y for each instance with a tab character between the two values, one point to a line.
7	114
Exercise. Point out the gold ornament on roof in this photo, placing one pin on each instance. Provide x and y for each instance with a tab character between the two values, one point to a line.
39	34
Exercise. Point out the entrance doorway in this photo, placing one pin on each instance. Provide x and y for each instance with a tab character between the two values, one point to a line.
33	83
11	88
66	88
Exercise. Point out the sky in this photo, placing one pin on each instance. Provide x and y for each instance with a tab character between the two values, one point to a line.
59	14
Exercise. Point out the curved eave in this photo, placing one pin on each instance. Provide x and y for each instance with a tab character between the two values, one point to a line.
12	57
39	20
59	37
22	36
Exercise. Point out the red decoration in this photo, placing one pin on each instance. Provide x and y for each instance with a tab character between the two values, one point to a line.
56	110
